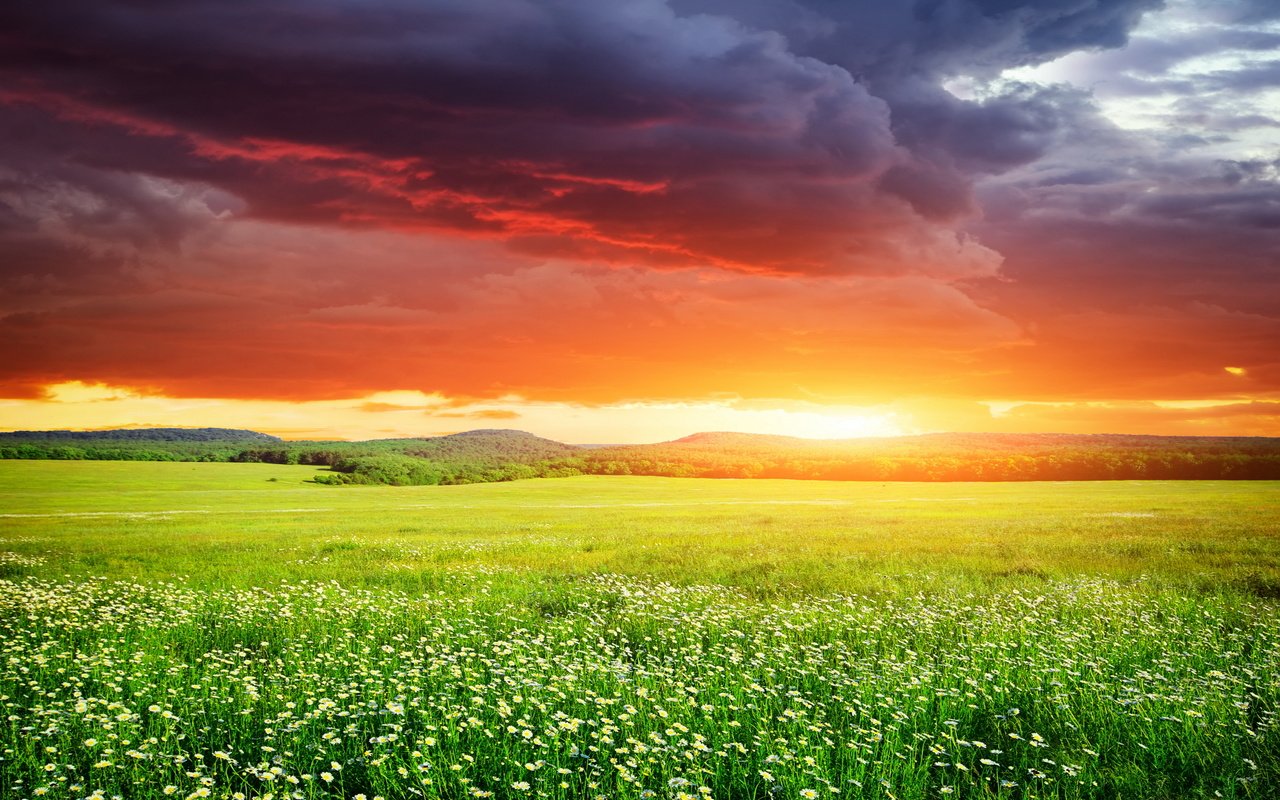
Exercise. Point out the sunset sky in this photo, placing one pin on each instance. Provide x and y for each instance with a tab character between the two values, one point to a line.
630	220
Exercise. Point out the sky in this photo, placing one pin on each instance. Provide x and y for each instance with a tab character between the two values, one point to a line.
634	220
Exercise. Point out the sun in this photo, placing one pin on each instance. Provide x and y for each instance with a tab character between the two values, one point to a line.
852	427
828	425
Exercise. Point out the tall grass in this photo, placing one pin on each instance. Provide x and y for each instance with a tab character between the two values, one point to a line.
630	638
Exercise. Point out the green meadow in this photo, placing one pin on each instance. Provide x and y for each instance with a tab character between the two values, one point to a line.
235	630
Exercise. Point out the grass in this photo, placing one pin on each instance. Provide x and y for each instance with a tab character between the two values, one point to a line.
230	629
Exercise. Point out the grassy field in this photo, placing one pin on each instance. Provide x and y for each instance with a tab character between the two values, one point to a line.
227	630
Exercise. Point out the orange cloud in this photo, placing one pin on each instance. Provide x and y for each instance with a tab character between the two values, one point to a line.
469	320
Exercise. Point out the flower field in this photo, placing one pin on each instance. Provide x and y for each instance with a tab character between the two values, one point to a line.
498	681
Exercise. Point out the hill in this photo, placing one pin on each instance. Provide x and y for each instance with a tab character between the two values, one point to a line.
488	446
468	457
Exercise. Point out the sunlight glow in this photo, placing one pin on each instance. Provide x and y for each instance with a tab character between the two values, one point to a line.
408	413
816	425
80	392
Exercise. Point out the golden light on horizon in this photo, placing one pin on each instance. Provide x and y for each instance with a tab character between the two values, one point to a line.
81	392
84	405
81	405
817	425
1237	371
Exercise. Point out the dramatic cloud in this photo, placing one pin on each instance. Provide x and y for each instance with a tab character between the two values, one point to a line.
1061	201
470	320
617	132
1146	243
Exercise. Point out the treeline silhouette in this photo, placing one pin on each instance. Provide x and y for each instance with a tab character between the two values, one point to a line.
134	444
948	457
502	455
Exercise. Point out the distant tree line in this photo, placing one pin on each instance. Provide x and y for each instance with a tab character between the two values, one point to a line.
486	456
948	457
133	444
1067	466
142	435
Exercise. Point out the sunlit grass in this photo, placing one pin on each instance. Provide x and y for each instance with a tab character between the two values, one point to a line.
202	629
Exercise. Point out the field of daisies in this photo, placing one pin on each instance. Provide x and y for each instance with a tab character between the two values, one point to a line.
1087	689
482	678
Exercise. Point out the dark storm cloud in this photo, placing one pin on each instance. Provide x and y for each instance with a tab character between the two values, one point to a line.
936	37
1248	11
952	141
903	51
578	119
784	135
